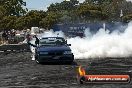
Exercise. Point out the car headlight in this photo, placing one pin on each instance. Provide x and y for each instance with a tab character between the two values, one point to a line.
43	53
67	52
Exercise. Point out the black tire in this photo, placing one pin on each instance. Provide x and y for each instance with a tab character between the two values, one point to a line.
67	62
71	62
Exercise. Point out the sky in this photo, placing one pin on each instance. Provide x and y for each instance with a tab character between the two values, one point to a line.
41	4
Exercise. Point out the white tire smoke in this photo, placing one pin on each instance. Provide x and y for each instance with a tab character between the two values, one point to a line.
100	45
103	44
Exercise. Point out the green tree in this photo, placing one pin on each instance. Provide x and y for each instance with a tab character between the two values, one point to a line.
91	12
22	23
31	19
65	17
8	22
35	17
114	9
51	19
2	12
127	18
99	2
14	7
65	5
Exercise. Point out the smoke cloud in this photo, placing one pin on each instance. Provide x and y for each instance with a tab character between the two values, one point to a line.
103	44
100	45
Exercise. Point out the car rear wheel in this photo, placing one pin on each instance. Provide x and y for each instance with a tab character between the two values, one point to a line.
70	62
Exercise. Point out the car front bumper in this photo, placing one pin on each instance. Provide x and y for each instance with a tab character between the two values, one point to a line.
59	58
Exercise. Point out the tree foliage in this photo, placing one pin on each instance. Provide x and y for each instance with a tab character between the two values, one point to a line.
3	12
49	20
10	10
65	5
8	22
14	15
13	7
31	19
127	18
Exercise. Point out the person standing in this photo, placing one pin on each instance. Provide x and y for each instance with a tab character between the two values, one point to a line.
4	37
28	35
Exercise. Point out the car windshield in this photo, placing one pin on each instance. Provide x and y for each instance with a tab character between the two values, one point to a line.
52	41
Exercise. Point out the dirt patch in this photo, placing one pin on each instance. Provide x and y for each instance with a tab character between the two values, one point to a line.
17	70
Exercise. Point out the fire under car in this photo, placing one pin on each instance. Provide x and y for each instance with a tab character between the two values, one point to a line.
53	49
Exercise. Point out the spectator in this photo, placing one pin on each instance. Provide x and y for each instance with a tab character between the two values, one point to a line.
37	40
4	37
28	35
13	35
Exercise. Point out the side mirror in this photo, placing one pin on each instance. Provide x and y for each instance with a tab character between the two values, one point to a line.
32	44
69	44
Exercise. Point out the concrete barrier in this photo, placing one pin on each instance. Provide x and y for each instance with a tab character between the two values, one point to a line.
15	47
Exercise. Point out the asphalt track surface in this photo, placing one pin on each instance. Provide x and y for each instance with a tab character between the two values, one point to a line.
17	70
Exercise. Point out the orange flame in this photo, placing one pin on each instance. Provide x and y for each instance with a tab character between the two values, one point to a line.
81	71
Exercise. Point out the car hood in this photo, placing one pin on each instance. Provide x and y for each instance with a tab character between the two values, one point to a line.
53	48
